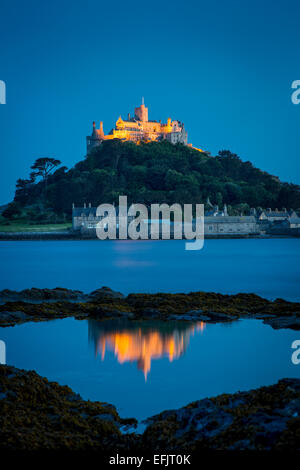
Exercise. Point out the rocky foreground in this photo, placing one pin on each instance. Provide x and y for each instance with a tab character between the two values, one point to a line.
47	304
36	414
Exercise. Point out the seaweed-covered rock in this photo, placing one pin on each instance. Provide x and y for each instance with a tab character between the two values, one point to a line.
105	293
264	419
38	414
42	295
292	322
106	303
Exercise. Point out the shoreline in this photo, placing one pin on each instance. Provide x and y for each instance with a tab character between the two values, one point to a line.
42	415
73	236
104	303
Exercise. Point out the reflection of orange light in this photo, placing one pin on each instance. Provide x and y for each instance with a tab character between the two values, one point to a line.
135	345
200	326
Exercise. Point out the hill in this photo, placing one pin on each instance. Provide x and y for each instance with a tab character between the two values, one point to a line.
148	173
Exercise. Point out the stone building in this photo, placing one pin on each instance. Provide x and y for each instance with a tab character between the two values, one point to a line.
139	128
287	227
214	211
294	222
85	220
84	217
230	225
272	216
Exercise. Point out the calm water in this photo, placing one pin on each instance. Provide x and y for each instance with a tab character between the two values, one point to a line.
146	367
270	268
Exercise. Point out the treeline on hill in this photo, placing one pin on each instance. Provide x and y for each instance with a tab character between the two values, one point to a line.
149	173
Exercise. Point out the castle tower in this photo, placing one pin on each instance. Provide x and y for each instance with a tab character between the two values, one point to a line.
95	134
94	139
100	132
141	113
120	123
169	125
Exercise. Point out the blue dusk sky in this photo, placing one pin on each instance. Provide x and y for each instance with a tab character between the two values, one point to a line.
224	68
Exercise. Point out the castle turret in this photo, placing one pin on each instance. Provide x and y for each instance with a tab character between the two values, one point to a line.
120	123
94	133
100	132
95	139
141	113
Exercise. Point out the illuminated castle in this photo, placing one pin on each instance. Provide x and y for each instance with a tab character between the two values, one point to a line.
139	128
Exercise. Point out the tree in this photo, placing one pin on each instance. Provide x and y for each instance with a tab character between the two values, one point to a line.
22	189
151	172
13	210
43	167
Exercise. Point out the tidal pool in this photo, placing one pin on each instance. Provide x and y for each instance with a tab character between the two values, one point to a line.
144	367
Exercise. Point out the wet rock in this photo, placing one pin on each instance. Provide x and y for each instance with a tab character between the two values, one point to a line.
256	420
38	414
151	312
106	303
217	316
12	318
106	417
42	295
291	322
105	293
187	317
195	313
19	316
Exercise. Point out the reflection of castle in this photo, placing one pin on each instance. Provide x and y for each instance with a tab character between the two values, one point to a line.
142	341
138	128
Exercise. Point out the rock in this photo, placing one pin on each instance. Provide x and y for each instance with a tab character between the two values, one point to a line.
10	318
217	316
38	414
261	419
204	318
42	295
290	322
195	313
125	314
6	316
105	293
106	417
19	316
150	312
47	304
